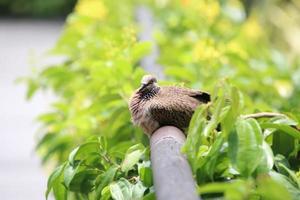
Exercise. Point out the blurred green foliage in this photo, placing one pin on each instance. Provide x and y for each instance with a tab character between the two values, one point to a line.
205	44
36	8
208	36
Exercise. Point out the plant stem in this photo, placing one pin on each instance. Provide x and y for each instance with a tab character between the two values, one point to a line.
262	115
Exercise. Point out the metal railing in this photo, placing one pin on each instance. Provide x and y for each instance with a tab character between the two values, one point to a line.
172	174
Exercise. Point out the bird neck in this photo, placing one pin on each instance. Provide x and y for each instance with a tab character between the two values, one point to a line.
149	92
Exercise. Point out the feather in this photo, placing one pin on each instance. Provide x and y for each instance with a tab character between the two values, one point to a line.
152	106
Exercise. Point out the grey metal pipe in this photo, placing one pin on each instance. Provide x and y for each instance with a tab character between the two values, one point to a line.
172	174
144	18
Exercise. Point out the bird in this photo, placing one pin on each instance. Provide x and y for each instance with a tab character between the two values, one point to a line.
153	106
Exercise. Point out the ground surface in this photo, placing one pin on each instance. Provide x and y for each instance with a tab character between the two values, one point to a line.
22	42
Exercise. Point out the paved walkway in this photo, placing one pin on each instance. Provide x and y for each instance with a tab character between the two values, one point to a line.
21	177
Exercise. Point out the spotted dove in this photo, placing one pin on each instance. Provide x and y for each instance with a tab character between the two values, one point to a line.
152	106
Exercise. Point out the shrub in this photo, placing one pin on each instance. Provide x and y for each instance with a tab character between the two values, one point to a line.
204	44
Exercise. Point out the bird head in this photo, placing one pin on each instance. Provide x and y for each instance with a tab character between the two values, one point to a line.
148	82
148	79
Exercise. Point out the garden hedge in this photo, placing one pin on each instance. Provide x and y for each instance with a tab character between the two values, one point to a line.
207	45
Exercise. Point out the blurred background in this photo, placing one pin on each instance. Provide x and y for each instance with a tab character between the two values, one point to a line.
29	29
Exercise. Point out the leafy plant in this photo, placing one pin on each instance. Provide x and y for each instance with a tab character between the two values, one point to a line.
233	154
93	172
238	162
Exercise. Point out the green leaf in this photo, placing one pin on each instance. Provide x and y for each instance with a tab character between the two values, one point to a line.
267	161
283	143
294	193
104	180
284	128
291	174
283	120
83	151
218	113
105	194
46	139
197	123
279	161
138	190
234	190
209	163
271	190
83	181
119	150
194	137
119	191
145	174
149	196
33	86
234	110
51	143
132	157
124	190
247	146
55	184
80	179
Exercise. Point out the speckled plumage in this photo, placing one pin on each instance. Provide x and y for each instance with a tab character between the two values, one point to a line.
152	106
